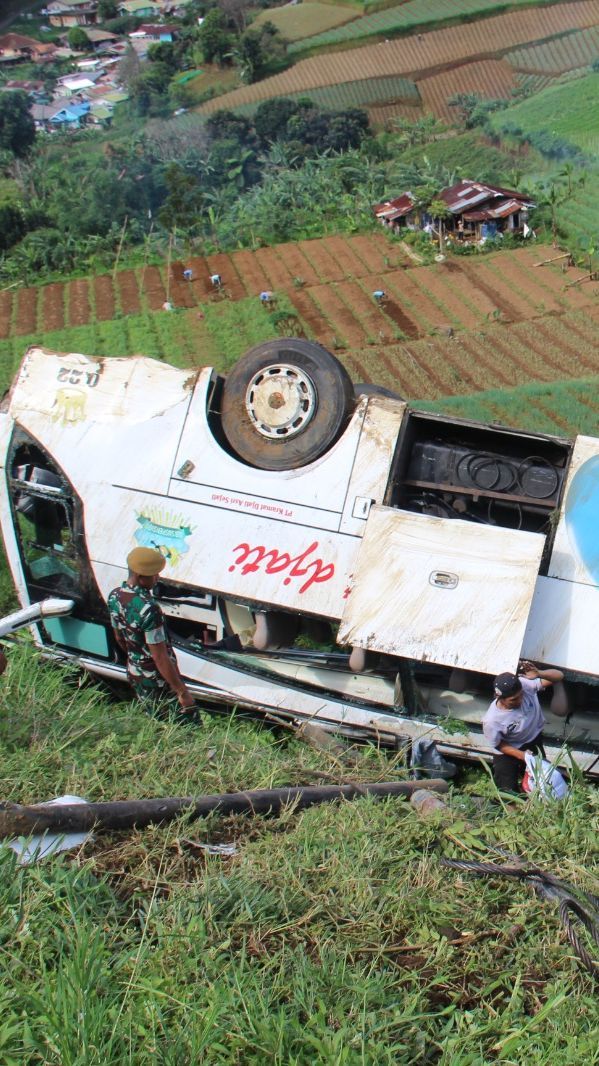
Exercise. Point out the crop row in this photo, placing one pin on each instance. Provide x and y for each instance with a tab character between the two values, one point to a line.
405	17
569	52
562	407
353	94
490	78
410	55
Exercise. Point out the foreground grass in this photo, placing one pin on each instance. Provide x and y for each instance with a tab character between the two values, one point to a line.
333	936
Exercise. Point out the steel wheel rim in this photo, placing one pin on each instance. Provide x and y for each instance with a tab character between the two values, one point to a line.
280	400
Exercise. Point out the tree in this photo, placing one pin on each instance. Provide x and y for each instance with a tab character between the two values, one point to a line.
17	128
107	9
12	225
271	118
78	39
184	203
215	39
258	49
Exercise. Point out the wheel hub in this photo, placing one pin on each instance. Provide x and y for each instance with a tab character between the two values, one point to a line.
280	400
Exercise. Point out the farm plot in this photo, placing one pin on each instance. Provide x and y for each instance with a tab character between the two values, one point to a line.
491	78
410	56
325	265
300	268
295	21
128	292
26	313
383	116
104	297
362	93
343	324
79	311
181	291
380	327
152	288
570	52
343	254
5	313
53	297
415	14
274	268
222	264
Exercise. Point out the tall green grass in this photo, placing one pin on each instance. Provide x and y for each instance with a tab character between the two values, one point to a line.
333	936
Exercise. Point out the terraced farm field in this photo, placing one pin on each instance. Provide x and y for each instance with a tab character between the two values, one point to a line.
412	56
492	78
465	326
296	21
407	17
570	52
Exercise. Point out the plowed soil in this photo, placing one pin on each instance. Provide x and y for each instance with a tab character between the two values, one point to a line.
250	272
200	282
53	306
297	264
323	262
128	292
274	268
311	315
343	323
181	291
26	316
104	297
369	252
5	313
152	288
491	78
78	302
344	255
363	307
232	284
391	307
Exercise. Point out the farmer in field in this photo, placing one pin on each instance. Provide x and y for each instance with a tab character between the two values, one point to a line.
139	630
514	722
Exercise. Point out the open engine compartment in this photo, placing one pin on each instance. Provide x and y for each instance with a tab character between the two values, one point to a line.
486	474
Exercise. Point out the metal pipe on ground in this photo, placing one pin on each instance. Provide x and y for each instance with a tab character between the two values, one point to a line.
17	820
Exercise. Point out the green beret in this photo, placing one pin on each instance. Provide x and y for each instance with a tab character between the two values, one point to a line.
145	561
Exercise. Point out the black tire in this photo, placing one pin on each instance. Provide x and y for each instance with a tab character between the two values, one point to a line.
376	390
316	397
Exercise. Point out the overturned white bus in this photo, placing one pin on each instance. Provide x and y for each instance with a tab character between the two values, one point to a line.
425	553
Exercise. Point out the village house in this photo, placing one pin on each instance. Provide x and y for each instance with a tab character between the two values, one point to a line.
35	90
156	33
62	114
140	8
14	48
477	212
71	12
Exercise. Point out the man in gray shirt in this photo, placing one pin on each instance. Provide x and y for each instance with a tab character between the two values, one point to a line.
514	722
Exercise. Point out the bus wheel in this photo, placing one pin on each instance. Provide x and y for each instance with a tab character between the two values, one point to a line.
375	390
285	403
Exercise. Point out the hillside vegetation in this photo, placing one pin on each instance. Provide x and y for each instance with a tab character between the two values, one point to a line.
331	937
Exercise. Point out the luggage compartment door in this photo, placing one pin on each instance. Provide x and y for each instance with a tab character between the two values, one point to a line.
442	590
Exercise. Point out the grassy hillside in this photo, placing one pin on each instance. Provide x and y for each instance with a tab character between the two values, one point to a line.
569	110
332	937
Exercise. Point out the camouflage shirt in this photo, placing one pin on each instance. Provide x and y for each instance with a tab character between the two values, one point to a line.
138	619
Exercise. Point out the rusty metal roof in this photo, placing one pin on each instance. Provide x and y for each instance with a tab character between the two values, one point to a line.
402	205
468	194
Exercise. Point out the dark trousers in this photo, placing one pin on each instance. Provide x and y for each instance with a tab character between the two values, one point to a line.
509	771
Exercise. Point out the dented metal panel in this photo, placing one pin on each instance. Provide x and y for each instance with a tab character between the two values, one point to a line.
441	590
575	555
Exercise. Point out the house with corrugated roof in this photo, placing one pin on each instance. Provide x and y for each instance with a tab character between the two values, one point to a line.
15	47
476	211
71	12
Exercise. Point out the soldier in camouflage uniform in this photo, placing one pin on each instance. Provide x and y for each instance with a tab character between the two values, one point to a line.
138	625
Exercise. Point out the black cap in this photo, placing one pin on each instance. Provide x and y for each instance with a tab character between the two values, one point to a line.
507	685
